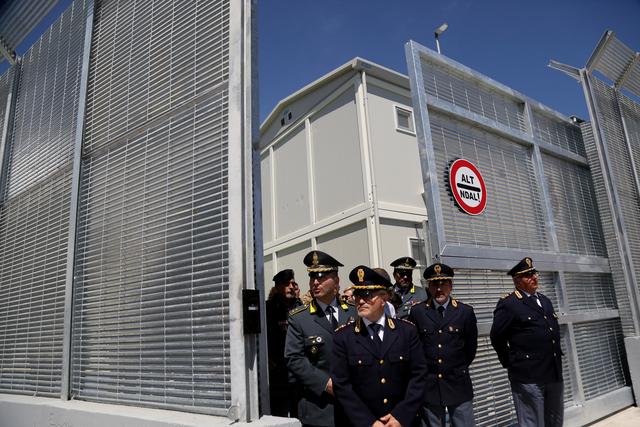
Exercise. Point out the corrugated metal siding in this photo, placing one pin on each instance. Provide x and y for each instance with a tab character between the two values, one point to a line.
505	223
590	291
19	17
492	402
151	314
6	83
34	218
575	212
601	356
451	86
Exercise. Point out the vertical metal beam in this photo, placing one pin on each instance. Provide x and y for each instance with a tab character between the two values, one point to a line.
613	198
243	243
65	392
426	151
7	128
368	167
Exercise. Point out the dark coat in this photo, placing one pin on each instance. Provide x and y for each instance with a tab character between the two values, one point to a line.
412	297
369	382
450	345
277	308
308	356
527	339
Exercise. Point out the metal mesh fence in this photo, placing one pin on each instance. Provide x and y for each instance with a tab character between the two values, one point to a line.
151	311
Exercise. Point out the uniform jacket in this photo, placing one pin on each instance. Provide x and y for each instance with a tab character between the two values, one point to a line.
277	308
369	382
414	295
450	345
527	339
308	356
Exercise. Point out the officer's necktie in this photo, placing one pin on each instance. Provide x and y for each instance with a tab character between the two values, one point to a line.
332	318
375	329
441	311
537	300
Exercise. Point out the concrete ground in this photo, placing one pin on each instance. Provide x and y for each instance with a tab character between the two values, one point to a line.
625	418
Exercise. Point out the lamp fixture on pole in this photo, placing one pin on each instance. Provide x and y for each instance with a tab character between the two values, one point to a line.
441	29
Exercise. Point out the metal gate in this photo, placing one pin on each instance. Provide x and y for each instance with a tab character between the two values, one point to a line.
541	202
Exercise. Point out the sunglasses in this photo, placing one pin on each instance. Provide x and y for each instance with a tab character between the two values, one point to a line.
530	274
405	273
366	294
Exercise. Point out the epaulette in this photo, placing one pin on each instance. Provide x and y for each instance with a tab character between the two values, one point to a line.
341	327
505	296
454	303
407	321
517	294
297	310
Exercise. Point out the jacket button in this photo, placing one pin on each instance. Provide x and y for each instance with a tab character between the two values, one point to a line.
385	401
554	354
381	362
545	317
553	341
439	345
439	360
529	318
400	357
551	329
439	331
359	362
439	375
383	380
527	356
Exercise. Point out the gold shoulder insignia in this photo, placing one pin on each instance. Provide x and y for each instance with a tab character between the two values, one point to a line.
341	327
428	302
343	304
407	321
312	307
357	327
298	310
454	303
518	294
390	323
413	289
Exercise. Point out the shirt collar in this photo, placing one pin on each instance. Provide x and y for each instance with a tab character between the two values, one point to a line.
324	306
381	321
526	293
445	305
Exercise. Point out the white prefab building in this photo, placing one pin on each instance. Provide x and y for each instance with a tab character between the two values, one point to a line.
341	173
345	164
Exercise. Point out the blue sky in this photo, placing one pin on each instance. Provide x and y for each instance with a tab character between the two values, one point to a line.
510	41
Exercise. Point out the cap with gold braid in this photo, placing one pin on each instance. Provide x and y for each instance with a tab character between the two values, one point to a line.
438	271
320	262
364	278
404	263
524	266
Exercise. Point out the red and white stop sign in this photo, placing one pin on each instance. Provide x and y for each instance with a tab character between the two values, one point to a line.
467	186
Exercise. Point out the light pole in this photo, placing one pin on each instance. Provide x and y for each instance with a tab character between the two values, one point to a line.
441	29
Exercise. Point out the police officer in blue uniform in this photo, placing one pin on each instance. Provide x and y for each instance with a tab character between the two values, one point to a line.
526	335
449	334
378	366
310	339
404	287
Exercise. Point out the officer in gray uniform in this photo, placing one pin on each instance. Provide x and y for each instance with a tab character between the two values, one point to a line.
309	342
404	287
526	336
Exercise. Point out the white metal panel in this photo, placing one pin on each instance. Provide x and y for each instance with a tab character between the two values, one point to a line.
349	245
269	272
267	197
291	257
395	241
337	160
291	178
396	162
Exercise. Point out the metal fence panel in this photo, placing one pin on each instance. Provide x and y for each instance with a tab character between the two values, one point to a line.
563	135
151	297
34	216
575	212
601	354
504	166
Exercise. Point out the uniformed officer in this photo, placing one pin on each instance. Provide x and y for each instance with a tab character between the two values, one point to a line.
449	333
404	287
282	299
310	339
378	367
526	335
